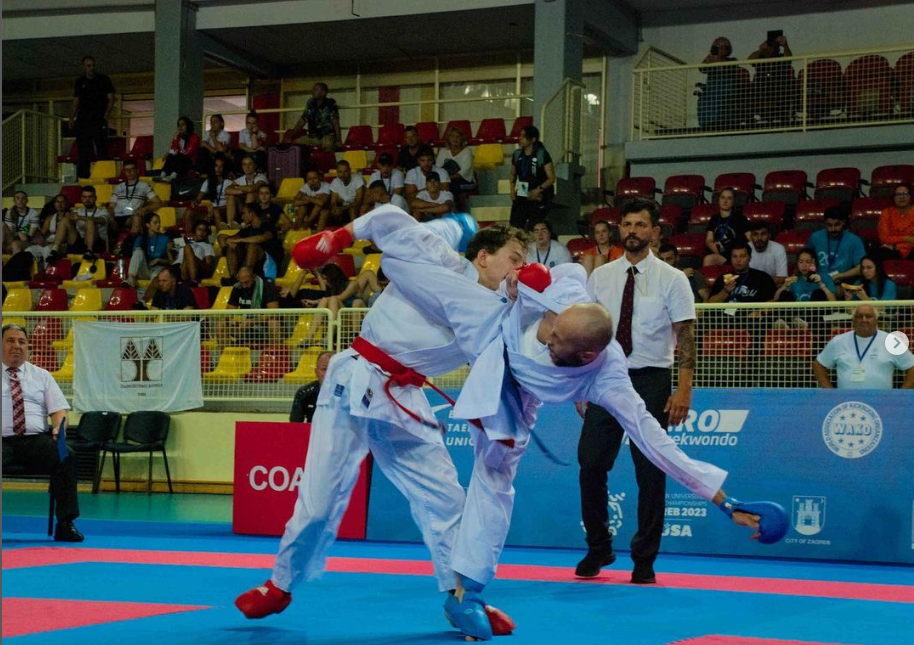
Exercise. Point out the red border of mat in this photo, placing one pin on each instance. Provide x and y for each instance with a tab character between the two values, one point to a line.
45	556
718	639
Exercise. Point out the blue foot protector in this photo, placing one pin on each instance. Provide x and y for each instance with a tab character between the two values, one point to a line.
470	615
773	521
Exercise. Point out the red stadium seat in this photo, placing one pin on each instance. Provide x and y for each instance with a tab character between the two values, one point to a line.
670	215
700	217
201	296
490	131
869	86
322	161
611	215
272	364
391	151
390	135
869	235
346	262
520	123
46	331
54	299
788	342
70	157
632	187
45	358
577	246
727	342
865	211
116	277
712	273
684	190
142	148
234	138
885	178
742	182
121	299
117	148
428	132
825	89
793	241
904	79
787	186
72	193
689	244
359	137
842	184
771	212
53	275
463	125
901	271
810	213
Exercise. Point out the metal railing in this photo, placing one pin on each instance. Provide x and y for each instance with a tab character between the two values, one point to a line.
30	144
792	93
561	121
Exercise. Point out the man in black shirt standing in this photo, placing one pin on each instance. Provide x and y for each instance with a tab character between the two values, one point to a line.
306	397
532	180
93	100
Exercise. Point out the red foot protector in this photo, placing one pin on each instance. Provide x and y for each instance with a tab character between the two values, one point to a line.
502	625
263	601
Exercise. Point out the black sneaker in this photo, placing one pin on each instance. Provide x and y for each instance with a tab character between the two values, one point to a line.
643	574
595	559
66	532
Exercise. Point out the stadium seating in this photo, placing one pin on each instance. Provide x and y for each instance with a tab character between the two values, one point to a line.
390	135
842	184
358	160
289	188
89	272
701	216
577	246
44	333
488	156
221	271
611	215
428	132
810	214
18	300
372	263
201	297
771	212
359	137
787	186
291	275
726	342
793	241
685	191
87	300
904	79
121	299
825	89
65	373
101	172
345	262
865	211
712	273
689	244
117	277
869	87
519	124
234	362
902	272
304	371
52	299
489	131
632	187
272	365
741	182
72	193
463	125
222	298
142	148
885	178
168	217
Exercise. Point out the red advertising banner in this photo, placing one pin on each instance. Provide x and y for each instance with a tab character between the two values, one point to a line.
269	462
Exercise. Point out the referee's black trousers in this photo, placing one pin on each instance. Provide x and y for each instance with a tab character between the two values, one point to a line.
38	453
601	438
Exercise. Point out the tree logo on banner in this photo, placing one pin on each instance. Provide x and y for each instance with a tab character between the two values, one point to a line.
852	430
141	359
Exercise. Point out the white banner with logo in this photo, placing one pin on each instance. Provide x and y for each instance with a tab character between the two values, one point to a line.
127	367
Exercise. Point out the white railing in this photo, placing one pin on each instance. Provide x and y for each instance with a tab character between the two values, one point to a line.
561	121
30	143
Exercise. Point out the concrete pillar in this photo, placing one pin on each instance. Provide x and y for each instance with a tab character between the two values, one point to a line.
178	70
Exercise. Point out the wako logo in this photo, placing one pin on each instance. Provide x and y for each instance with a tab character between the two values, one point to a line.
710	428
808	514
852	430
141	359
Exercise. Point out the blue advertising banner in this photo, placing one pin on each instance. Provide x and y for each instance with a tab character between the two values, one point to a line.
841	463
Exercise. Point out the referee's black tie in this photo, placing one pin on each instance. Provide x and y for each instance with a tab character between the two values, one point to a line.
624	330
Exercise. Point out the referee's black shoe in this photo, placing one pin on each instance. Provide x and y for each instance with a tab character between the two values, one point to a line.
595	559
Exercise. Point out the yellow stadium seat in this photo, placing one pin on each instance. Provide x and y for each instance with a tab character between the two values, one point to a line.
234	362
14	321
35	201
8	202
163	191
87	300
357	159
103	193
357	248
168	216
222	298
303	328
221	271
372	262
159	163
65	373
304	372
102	171
289	188
65	344
217	248
6	256
292	273
488	155
293	237
82	280
18	300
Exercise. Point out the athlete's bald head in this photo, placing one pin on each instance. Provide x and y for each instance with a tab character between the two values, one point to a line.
579	334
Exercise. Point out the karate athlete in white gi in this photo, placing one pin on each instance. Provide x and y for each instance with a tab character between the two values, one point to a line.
360	409
557	344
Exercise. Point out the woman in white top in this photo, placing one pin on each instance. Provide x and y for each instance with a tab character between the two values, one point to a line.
252	141
215	141
243	190
460	168
213	189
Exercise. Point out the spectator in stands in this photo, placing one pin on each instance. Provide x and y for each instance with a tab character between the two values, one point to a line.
252	141
670	254
21	225
346	195
874	283
215	142
214	189
456	159
774	91
861	357
408	157
306	397
532	180
265	206
744	284
603	250
90	223
152	252
806	283
767	255
546	250
30	396
838	251
387	174
243	190
55	236
415	178
718	100
170	295
896	225
432	202
726	229
250	292
321	117
378	194
93	100
182	153
311	203
255	244
201	261
132	200
338	291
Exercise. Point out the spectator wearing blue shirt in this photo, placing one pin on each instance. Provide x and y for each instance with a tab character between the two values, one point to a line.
838	251
873	284
152	251
807	283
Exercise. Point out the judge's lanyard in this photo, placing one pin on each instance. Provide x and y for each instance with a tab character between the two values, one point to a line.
546	259
860	356
833	255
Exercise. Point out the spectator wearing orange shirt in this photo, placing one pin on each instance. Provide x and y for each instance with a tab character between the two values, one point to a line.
603	251
896	225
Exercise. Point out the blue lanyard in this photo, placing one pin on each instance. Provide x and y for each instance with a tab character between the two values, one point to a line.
857	347
546	259
833	255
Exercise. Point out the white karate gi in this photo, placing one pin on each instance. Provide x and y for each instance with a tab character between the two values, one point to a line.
488	328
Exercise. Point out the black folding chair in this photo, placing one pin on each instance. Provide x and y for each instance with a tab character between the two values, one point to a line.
144	431
94	431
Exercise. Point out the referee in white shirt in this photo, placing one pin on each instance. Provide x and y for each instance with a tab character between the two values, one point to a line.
653	309
30	396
